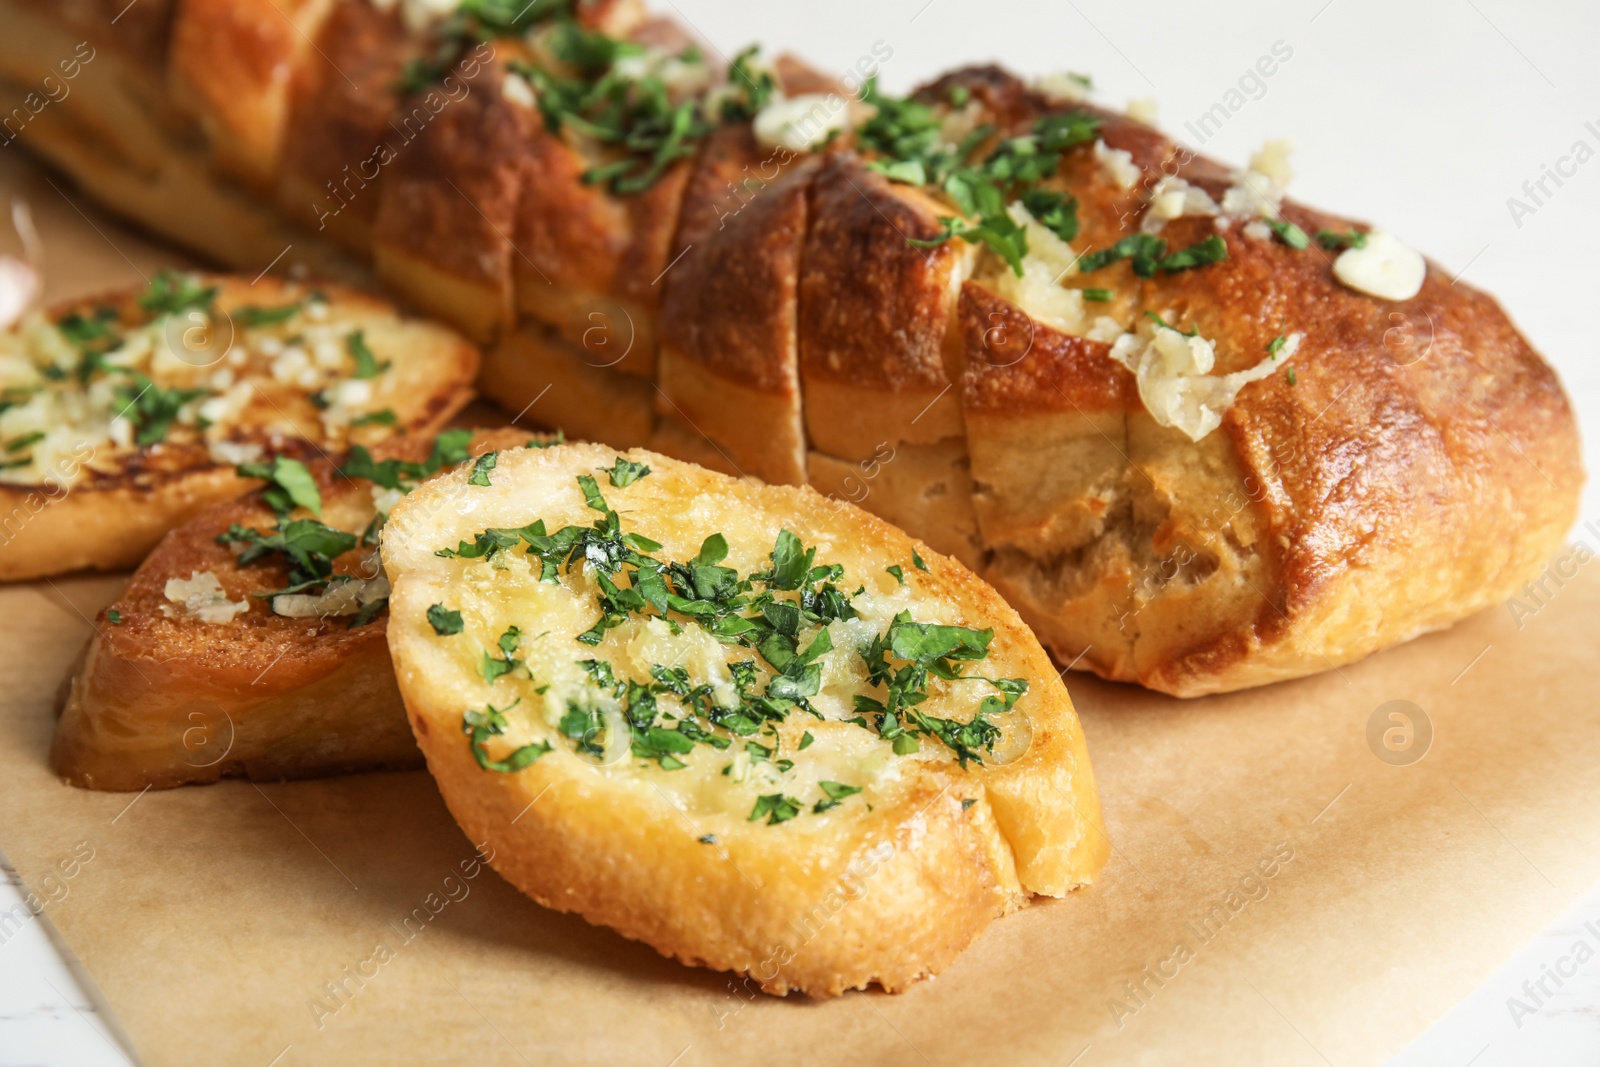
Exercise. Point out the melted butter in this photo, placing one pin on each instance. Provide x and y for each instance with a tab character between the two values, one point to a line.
721	783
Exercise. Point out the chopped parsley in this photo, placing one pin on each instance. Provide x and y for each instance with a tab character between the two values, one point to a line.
27	440
496	667
836	791
894	569
94	337
172	293
916	561
308	547
1097	296
1333	240
754	86
806	740
445	621
382	417
1147	254
449	449
369	611
635	117
253	317
289	485
367	365
114	617
473	21
775	808
1292	379
481	468
479	726
81	330
1289	234
1275	345
907	137
149	408
625	472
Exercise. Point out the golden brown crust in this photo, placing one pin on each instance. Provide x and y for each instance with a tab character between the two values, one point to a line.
448	203
728	323
242	100
1356	473
1016	366
164	699
338	139
536	374
874	311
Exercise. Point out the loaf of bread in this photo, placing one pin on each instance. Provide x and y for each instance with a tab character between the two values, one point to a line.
124	415
1202	437
756	729
251	642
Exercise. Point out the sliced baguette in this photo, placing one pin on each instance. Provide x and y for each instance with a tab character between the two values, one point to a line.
118	422
175	691
1356	498
702	840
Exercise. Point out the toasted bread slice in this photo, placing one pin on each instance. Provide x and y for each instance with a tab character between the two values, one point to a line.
668	778
195	673
123	416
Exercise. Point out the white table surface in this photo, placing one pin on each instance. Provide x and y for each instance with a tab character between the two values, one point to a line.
1423	115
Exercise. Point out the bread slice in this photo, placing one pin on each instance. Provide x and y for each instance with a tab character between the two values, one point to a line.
195	673
120	417
660	776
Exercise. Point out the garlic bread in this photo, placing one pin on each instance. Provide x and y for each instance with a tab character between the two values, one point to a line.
251	641
703	711
121	417
1202	436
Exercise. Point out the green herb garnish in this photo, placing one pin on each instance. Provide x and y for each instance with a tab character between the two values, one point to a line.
253	317
491	722
776	808
289	484
625	472
1147	254
149	408
836	791
172	293
1289	233
446	622
1333	239
367	365
481	468
496	667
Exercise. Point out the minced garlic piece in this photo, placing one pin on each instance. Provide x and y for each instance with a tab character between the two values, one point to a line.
339	598
1173	374
1118	163
1384	266
801	123
200	596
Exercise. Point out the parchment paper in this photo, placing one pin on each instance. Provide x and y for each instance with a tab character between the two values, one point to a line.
1291	884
